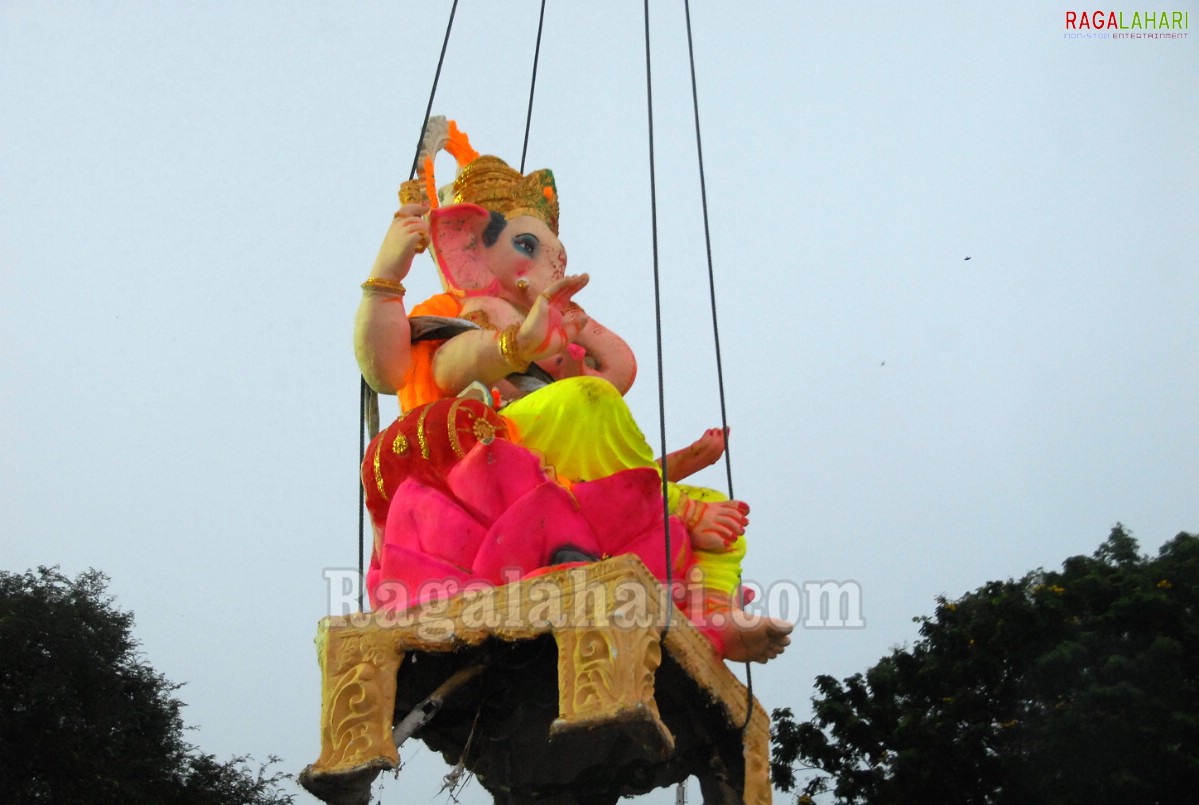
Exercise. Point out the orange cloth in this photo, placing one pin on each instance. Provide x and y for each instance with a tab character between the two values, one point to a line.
419	387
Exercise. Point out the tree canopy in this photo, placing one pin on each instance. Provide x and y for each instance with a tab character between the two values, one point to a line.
84	719
1076	686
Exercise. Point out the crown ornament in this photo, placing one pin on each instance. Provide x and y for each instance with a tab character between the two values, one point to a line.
485	180
489	182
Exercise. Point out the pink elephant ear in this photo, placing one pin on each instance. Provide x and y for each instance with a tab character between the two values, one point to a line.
457	233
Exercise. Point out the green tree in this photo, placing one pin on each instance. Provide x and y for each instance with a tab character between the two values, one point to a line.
84	719
1079	686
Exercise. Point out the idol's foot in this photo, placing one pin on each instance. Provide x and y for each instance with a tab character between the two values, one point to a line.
745	637
713	526
754	638
703	452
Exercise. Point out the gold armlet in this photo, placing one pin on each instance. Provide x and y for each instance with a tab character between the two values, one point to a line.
387	287
509	351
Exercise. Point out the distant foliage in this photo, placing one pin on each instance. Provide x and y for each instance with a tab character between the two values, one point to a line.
84	719
1079	686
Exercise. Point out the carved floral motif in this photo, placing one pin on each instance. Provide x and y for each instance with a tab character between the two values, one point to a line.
606	664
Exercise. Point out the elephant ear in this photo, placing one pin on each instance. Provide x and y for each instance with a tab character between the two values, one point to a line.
457	233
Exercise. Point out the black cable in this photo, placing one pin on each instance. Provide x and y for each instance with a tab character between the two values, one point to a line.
532	85
364	390
433	92
703	194
653	203
724	424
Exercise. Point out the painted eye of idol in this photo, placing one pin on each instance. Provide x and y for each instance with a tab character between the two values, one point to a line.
526	243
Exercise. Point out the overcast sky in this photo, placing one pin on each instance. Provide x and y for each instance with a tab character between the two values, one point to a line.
191	194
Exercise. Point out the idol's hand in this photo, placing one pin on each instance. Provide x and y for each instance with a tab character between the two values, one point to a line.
554	321
407	236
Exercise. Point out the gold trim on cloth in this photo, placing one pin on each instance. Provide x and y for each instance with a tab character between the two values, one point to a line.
379	471
451	426
421	436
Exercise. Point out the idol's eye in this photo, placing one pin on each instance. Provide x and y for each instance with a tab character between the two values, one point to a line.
526	243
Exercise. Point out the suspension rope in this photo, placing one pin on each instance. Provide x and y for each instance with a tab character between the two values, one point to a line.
433	92
532	86
724	424
653	204
367	398
703	195
363	394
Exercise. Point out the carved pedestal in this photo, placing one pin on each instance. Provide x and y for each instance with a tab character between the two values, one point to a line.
608	736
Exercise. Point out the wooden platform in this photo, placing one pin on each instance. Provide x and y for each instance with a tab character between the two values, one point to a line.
573	695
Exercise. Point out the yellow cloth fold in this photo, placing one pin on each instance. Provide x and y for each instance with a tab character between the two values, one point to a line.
584	430
582	426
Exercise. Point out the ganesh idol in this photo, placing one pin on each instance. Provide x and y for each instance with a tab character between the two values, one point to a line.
515	450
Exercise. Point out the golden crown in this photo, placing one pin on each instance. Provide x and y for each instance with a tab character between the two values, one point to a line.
483	180
489	182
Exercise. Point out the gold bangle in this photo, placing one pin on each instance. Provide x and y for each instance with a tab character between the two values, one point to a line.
509	351
389	287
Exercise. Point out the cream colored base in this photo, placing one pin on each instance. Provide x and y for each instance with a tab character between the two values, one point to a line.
606	619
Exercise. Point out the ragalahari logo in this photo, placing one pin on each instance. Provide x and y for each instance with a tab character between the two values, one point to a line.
1101	24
